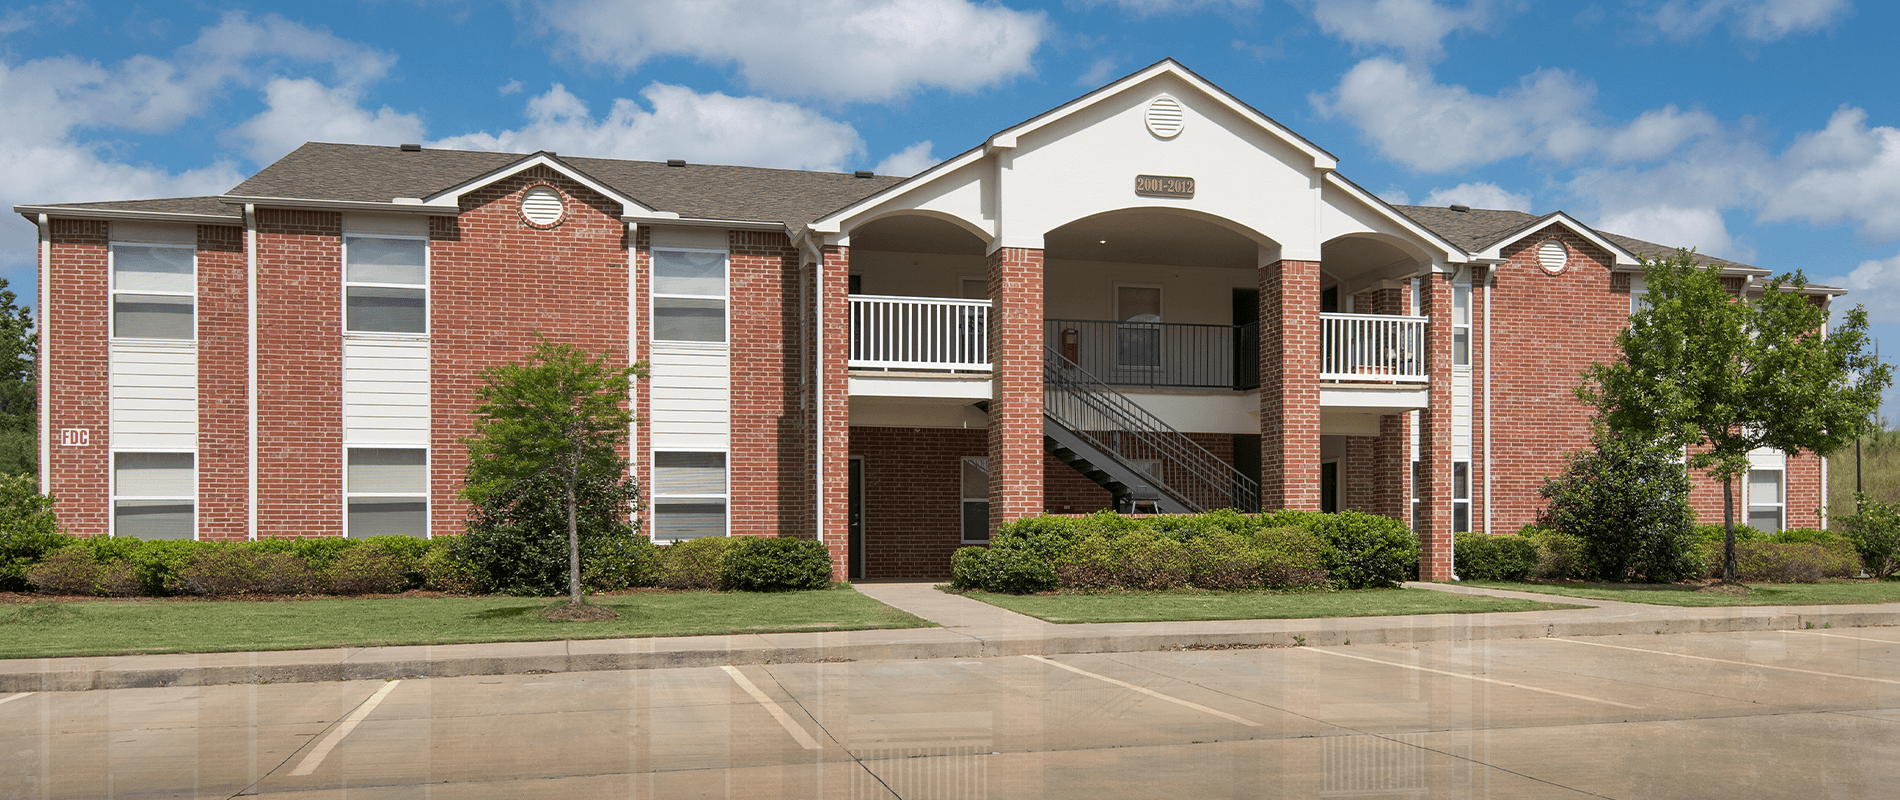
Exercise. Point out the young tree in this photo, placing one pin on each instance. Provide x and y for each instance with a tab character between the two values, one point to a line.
549	433
19	396
1714	374
1628	500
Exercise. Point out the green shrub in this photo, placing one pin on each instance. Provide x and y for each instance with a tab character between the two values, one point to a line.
28	529
1049	537
118	579
1293	557
1628	500
320	552
442	571
970	568
1560	555
1718	532
1875	532
694	563
1225	560
220	570
619	562
1154	562
1774	562
370	569
70	570
1483	557
156	562
773	564
1017	570
1091	563
1363	551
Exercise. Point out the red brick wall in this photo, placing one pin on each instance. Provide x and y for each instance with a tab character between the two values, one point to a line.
223	378
1378	470
494	282
1434	506
833	415
768	454
299	373
1016	358
1289	385
913	514
75	336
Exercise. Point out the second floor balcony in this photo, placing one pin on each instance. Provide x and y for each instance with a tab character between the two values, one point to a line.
946	335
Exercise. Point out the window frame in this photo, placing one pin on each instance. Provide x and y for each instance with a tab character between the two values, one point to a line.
963	502
725	298
1461	297
113	495
344	299
113	292
658	497
1460	497
1780	506
428	508
1123	325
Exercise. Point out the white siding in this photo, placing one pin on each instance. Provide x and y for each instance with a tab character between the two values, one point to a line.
1461	414
691	395
385	392
154	396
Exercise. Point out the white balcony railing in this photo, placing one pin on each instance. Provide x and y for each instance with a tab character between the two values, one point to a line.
930	333
1362	347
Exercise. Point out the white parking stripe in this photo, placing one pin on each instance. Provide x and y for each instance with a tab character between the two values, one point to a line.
1811	633
4	700
1726	661
1150	692
310	762
1473	677
784	719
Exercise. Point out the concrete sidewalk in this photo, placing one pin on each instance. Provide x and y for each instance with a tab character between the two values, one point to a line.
971	629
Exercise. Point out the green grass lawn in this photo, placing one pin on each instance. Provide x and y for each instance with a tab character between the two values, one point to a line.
106	627
1187	605
1760	594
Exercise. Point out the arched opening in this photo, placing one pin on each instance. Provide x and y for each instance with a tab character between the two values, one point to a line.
918	255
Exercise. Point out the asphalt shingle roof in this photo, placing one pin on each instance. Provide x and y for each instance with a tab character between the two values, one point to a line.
209	206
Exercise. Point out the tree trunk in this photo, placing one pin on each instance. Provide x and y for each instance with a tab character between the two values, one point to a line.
574	544
1728	519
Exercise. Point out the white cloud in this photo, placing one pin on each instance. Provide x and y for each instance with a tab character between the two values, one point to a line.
511	87
303	110
1396	196
58	13
1148	8
1416	27
1844	172
1435	127
1479	195
1760	20
1659	132
1677	226
908	161
1874	284
846	50
1098	73
707	128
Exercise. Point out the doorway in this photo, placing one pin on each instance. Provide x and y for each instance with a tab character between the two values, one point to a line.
854	538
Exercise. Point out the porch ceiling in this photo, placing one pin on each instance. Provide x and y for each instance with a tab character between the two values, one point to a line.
1151	237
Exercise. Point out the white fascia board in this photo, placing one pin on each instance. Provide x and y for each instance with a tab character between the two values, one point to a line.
1623	258
146	216
1322	160
670	219
453	194
833	222
431	209
1453	253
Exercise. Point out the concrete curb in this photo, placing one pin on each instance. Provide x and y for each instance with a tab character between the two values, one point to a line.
81	674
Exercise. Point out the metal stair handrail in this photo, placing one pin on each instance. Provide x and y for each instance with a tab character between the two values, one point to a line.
1133	435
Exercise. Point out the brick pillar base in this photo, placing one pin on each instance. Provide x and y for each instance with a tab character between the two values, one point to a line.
1434	441
1015	431
834	414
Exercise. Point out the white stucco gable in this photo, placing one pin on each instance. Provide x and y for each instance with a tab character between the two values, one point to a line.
1248	173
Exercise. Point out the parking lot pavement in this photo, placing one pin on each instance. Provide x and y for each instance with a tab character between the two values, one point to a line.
1758	714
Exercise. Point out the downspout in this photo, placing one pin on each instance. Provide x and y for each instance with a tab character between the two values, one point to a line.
39	360
1490	282
250	358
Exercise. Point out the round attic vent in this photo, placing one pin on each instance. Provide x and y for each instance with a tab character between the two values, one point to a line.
1552	256
541	206
1164	117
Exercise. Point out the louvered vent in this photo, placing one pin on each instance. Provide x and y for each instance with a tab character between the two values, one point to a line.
1551	255
542	206
1164	117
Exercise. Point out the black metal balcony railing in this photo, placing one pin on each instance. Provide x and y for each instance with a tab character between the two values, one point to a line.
1156	353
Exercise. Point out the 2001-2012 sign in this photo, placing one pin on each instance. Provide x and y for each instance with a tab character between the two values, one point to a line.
1164	186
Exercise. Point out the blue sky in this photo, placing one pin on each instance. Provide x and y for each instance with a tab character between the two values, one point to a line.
1767	131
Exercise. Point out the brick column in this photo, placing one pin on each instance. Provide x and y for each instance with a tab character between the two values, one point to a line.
300	373
223	378
79	386
1015	432
834	414
1289	385
1434	439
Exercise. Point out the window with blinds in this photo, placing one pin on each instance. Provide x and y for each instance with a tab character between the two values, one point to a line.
385	284
154	291
689	296
154	495
386	491
689	495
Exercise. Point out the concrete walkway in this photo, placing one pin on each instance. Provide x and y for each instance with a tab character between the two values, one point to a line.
970	629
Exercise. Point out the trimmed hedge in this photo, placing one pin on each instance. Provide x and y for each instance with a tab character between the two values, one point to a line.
762	564
1483	557
1217	550
1560	556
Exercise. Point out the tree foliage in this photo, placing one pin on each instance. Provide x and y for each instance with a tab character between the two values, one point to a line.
19	393
1628	501
546	472
1718	377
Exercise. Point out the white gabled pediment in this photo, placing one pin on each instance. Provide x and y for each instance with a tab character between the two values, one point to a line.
453	195
1622	257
